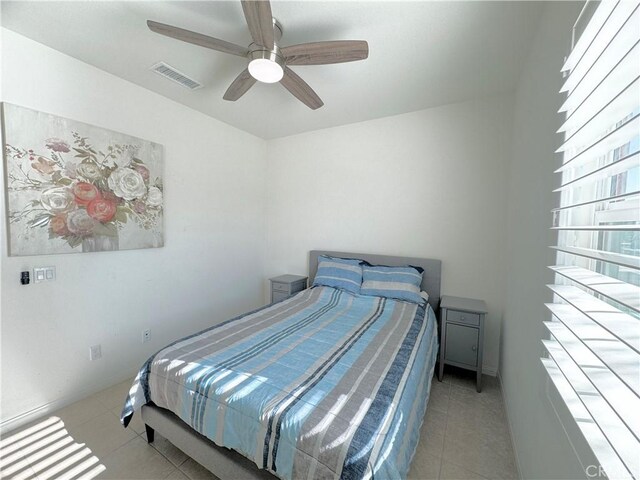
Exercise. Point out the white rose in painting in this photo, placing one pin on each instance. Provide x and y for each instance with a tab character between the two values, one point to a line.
127	183
57	200
90	171
79	222
154	197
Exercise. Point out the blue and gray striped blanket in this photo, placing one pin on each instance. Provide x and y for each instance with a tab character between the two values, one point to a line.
326	384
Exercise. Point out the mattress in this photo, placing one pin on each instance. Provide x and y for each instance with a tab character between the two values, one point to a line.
325	384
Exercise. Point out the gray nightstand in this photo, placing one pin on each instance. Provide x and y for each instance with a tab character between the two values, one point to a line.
462	334
286	285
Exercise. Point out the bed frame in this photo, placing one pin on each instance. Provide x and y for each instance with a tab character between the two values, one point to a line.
228	464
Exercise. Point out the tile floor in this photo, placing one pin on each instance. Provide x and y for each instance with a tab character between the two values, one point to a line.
464	436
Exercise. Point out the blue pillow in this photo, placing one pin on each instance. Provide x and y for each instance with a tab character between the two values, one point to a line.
401	283
343	273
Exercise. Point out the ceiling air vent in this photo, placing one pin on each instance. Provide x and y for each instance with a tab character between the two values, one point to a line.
172	74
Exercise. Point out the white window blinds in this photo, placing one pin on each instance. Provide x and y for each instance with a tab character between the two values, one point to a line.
594	329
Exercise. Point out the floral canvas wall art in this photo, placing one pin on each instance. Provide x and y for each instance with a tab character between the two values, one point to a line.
74	187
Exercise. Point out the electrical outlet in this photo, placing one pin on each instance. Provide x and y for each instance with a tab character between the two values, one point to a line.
146	335
95	352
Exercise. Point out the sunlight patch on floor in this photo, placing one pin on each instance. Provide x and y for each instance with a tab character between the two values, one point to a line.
44	451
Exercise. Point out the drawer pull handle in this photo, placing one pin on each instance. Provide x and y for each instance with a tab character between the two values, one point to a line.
462	317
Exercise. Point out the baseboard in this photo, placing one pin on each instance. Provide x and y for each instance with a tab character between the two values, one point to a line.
513	438
48	408
26	417
491	371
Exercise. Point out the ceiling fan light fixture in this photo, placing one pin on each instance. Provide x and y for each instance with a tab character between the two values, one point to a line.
266	71
266	65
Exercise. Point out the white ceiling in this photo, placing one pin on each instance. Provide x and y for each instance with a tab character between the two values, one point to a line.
422	54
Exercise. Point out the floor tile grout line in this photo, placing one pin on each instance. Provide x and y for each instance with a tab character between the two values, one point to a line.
166	457
96	415
104	458
21	470
172	472
58	450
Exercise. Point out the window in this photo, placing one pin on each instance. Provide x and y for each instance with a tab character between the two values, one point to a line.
593	348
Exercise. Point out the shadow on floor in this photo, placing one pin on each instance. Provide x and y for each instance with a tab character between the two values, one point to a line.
47	450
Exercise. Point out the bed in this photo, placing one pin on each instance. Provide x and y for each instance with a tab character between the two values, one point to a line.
324	384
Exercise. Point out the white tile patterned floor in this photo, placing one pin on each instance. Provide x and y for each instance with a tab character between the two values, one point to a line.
465	436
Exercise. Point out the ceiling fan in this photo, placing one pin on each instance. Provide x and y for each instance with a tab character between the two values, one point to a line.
268	62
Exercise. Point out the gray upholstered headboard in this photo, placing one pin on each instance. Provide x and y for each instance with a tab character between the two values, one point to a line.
430	278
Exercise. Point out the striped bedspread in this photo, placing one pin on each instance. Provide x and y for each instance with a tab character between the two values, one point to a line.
326	384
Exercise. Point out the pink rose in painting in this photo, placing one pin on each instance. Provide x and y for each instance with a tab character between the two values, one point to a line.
139	207
57	145
79	222
43	165
142	170
85	193
58	225
101	209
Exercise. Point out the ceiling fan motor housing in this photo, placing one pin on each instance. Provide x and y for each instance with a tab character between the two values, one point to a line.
258	52
267	65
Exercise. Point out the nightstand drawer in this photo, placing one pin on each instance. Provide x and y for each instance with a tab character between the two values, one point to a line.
298	286
280	287
461	345
277	296
463	317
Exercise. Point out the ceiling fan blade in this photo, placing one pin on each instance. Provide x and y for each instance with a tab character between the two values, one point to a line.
323	53
197	38
260	21
239	86
300	89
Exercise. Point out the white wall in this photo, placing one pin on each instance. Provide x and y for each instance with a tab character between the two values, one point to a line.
543	447
429	183
209	269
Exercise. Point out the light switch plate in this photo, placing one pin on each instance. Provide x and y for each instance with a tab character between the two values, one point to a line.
38	275
44	274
